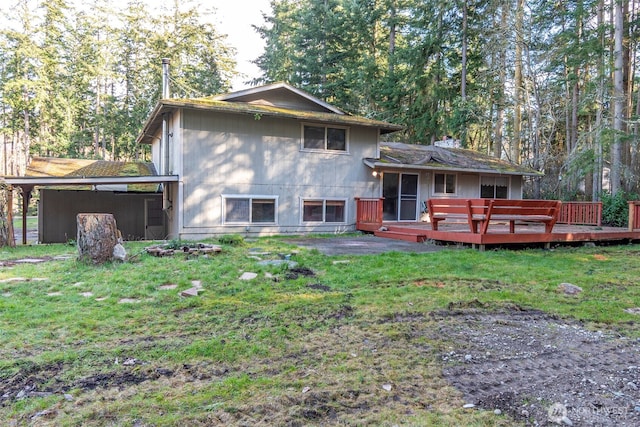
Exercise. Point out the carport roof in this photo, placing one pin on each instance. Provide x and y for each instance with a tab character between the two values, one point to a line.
86	174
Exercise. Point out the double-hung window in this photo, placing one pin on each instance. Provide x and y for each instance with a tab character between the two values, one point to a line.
444	183
494	187
324	138
249	209
324	210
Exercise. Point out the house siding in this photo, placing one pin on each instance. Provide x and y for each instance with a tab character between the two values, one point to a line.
468	186
230	154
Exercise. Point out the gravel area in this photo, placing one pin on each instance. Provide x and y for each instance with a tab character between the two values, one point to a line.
542	370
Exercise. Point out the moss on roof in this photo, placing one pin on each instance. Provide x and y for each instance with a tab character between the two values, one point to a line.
86	168
435	157
257	111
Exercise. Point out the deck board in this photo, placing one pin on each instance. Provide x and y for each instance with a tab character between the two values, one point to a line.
529	233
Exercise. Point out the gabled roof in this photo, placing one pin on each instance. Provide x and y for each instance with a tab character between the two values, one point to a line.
85	174
278	94
270	101
394	155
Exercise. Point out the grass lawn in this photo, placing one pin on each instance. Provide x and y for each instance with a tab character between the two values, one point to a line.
117	345
32	222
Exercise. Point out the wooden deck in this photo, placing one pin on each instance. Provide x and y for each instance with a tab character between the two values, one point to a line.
577	222
525	234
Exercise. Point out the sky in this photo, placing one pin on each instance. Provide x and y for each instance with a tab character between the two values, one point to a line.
235	18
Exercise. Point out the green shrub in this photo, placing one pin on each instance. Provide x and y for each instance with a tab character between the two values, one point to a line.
615	208
231	239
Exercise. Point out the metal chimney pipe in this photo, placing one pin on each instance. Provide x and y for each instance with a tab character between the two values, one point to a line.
165	77
164	141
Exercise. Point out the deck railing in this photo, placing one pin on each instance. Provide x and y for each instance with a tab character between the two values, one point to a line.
368	213
581	213
634	215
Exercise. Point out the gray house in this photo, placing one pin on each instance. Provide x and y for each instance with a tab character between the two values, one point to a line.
267	160
276	160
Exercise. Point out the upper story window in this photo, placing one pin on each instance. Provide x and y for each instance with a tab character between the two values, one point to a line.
324	138
444	183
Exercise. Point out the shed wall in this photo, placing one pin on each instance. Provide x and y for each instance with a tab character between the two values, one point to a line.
58	210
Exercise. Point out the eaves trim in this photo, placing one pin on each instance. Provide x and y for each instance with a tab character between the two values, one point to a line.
373	164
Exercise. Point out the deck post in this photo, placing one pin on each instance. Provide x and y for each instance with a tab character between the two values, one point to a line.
368	213
634	215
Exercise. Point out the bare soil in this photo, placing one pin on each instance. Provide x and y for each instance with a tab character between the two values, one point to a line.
533	367
542	370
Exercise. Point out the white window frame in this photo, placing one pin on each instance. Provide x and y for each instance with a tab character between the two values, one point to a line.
324	201
494	177
325	149
250	197
455	189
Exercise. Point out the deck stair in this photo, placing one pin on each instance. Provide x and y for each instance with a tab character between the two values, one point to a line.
397	233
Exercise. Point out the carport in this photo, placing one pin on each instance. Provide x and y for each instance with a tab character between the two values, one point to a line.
26	185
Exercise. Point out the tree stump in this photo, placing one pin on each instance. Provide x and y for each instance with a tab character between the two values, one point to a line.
97	236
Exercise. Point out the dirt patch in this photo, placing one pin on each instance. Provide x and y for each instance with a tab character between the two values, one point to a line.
294	273
536	368
542	370
319	287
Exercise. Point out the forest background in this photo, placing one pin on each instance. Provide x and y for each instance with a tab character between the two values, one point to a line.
547	84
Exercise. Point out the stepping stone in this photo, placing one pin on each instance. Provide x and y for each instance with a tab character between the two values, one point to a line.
13	279
167	287
569	289
128	301
191	292
248	276
279	262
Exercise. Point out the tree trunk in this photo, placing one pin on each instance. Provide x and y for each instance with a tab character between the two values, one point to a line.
618	101
517	89
597	175
97	236
502	59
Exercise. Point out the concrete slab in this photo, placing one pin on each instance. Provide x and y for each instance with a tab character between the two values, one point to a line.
362	245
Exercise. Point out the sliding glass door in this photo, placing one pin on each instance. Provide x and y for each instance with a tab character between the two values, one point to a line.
400	192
